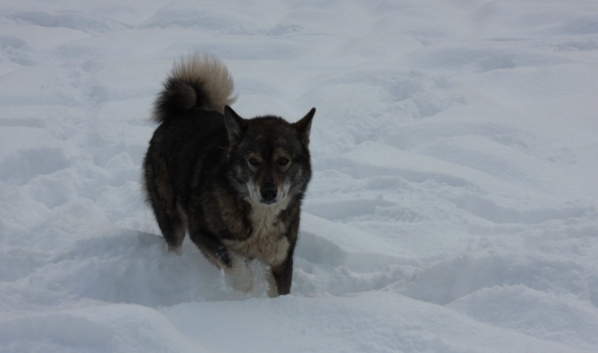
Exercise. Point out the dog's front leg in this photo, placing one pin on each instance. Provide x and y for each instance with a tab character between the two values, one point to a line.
238	273
283	275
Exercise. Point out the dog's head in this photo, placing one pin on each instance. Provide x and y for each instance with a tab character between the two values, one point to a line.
268	157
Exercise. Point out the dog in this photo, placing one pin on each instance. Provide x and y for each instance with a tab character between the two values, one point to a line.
234	184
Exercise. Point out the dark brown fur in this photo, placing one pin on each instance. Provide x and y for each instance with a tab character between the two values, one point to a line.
234	184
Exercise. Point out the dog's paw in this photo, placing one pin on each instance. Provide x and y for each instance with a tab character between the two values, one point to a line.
239	275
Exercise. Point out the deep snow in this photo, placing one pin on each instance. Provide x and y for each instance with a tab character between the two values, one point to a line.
453	204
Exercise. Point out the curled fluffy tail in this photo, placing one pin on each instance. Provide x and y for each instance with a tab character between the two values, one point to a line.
197	81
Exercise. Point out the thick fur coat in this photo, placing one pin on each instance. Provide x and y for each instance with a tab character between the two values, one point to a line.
234	184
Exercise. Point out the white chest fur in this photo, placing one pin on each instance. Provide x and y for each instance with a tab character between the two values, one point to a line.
268	242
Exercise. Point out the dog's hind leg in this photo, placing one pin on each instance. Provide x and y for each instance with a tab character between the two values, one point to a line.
161	196
172	225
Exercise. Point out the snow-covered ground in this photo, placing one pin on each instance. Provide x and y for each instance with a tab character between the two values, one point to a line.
452	209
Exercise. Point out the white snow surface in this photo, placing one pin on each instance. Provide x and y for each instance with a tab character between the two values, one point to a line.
453	202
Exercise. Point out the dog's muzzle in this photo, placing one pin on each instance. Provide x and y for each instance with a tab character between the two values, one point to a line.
268	194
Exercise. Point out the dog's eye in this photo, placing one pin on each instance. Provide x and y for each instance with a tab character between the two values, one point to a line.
282	161
254	162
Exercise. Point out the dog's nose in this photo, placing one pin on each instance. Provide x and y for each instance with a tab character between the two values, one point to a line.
268	193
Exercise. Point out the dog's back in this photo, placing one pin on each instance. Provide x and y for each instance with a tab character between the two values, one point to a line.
235	184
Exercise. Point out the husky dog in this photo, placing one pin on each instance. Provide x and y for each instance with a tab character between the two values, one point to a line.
234	184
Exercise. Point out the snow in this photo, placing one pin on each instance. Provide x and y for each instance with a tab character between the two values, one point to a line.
453	203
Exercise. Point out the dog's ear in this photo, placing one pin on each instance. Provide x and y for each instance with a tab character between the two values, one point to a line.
235	125
303	126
